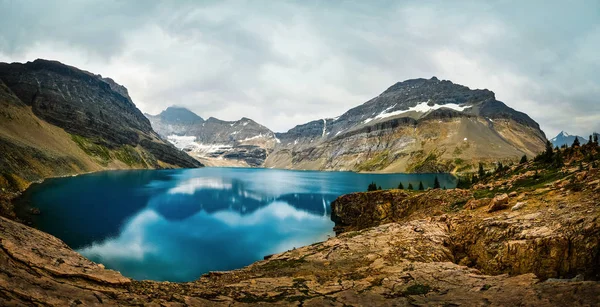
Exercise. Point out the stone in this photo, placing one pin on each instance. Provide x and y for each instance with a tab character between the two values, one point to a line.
520	205
498	203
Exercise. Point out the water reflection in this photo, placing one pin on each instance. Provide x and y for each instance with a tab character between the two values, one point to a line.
175	225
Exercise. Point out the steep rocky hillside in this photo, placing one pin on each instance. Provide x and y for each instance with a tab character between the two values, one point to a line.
213	141
420	125
528	235
58	120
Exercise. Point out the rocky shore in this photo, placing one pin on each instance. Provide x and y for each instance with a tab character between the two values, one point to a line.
539	247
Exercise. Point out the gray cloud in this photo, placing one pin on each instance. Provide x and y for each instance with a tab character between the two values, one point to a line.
286	63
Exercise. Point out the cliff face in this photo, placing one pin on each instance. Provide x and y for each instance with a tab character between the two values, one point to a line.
59	120
538	245
421	125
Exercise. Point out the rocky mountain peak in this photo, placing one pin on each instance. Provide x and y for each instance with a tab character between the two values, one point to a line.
179	115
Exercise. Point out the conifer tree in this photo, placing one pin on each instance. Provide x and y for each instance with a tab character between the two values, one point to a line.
410	186
379	188
436	183
400	186
596	138
500	167
576	143
421	188
558	161
481	170
549	151
372	186
523	159
590	140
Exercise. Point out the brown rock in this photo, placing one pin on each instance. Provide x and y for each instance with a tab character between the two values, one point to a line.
473	204
498	203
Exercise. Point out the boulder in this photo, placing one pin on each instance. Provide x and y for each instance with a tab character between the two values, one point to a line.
498	203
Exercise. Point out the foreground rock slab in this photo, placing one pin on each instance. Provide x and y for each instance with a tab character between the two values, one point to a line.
389	265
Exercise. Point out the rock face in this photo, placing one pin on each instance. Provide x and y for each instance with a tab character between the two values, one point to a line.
212	141
555	235
59	120
394	248
420	125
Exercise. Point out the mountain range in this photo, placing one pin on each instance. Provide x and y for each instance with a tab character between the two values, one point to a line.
215	142
419	125
57	120
564	138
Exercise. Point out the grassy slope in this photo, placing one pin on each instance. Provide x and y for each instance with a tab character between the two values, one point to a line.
32	149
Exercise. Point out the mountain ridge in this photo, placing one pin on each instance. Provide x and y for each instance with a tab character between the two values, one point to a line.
58	120
491	131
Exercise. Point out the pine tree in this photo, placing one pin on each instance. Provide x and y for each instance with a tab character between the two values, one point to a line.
444	188
400	186
549	151
372	186
523	159
500	167
481	170
421	188
474	179
576	143
590	140
410	186
558	161
436	183
596	139
379	188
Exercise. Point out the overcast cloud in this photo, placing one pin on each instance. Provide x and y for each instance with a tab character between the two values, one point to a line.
284	63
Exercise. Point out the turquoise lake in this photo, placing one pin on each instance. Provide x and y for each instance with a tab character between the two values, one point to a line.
175	225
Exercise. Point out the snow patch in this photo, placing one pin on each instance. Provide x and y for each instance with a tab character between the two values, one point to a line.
421	107
253	137
181	142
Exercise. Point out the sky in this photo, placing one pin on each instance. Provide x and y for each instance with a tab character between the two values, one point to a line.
284	63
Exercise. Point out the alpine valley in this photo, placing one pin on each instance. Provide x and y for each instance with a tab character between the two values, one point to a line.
419	125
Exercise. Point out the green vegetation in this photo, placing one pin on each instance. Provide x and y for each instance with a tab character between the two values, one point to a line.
101	153
417	289
410	186
378	161
400	186
373	187
428	164
523	159
421	188
276	265
128	155
436	183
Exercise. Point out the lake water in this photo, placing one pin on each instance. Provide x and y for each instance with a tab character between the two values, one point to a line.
176	225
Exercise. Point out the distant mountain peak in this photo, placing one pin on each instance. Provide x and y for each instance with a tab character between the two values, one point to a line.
564	138
177	114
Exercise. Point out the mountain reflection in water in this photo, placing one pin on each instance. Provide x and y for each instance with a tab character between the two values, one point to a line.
178	224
